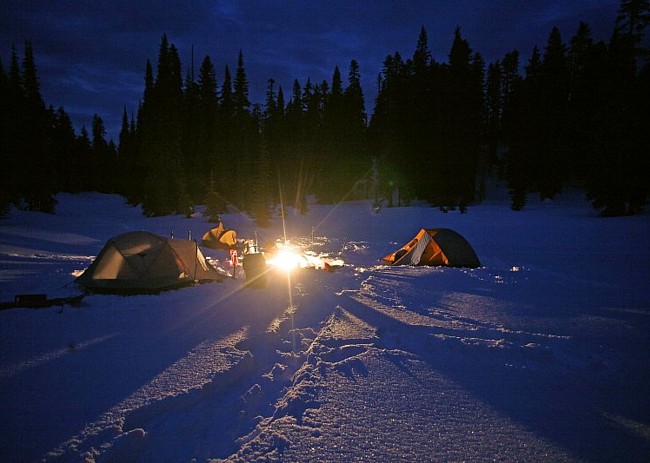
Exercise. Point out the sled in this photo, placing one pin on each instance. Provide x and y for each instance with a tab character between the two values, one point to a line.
40	301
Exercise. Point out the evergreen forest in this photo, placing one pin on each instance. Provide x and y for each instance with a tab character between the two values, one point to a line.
575	114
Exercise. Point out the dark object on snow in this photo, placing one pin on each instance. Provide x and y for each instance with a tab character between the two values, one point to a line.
40	301
435	246
141	262
330	268
220	237
255	269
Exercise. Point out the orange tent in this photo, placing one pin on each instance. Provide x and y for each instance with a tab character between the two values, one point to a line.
435	246
220	238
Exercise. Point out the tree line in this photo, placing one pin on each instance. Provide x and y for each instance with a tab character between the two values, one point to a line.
578	115
194	141
40	154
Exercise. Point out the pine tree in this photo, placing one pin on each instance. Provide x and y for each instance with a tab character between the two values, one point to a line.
586	61
330	186
245	139
552	161
422	56
124	136
387	129
494	111
503	82
420	110
510	89
192	153
632	21
521	127
270	106
261	198
356	122
617	182
226	146
99	143
165	189
37	170
125	166
226	101
15	78
293	157
83	153
62	148
242	103
203	126
30	79
464	113
103	158
5	136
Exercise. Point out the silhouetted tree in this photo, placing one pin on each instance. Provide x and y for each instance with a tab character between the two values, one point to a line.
579	115
161	129
522	126
618	182
30	174
202	123
241	90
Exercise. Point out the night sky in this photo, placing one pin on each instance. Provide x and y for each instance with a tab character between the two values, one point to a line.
91	55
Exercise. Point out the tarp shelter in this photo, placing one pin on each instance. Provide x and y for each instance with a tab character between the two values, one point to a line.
144	262
220	238
435	246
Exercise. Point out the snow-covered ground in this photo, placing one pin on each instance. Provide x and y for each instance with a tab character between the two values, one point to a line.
542	354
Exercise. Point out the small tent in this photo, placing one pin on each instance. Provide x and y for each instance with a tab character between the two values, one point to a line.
435	246
143	262
220	238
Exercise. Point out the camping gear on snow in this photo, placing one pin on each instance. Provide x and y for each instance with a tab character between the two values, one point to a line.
255	268
254	264
144	262
220	237
435	246
234	261
40	301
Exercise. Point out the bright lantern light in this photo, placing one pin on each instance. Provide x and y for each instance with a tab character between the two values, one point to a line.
286	260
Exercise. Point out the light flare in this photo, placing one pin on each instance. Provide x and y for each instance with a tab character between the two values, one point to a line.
286	259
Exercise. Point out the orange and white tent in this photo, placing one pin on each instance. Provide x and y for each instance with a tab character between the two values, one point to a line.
435	246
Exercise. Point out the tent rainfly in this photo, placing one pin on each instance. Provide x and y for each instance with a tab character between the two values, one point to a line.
140	261
435	246
220	238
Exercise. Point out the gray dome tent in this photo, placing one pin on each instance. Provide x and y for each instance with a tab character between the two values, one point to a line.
140	261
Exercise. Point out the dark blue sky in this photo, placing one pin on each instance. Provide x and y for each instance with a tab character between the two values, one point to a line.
91	55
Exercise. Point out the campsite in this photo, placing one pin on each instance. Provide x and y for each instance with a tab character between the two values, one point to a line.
538	354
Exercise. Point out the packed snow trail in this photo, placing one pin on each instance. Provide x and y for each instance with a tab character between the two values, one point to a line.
417	415
431	369
424	406
253	343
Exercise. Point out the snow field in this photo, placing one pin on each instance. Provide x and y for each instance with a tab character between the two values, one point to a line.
539	355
